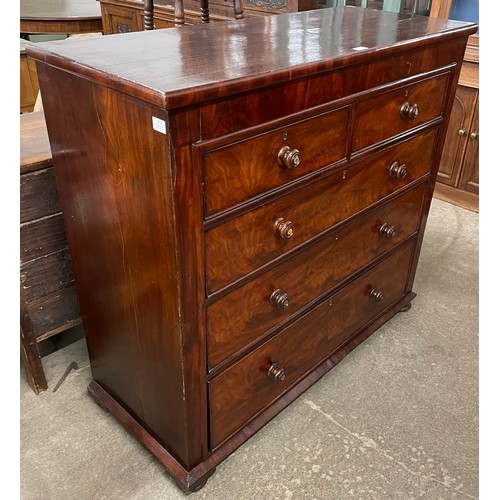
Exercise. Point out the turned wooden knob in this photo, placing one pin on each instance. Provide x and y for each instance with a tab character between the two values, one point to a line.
279	299
283	228
398	171
288	157
377	295
408	111
276	372
387	230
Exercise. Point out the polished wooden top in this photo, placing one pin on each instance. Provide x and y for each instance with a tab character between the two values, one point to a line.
60	10
176	67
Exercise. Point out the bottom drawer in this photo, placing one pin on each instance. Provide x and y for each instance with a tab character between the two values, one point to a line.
251	384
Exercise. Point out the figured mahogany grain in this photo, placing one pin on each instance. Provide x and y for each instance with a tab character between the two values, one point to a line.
123	250
239	319
369	129
244	389
243	169
245	243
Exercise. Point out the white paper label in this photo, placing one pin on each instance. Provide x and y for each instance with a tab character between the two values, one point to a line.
159	125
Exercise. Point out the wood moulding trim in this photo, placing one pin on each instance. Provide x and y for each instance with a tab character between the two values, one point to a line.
192	480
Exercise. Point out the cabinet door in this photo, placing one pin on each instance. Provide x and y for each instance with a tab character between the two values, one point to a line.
120	19
469	180
457	136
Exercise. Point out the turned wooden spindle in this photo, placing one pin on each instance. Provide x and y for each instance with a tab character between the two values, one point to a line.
238	9
179	12
149	15
179	18
205	14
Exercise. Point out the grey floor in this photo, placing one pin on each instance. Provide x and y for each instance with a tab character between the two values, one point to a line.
396	419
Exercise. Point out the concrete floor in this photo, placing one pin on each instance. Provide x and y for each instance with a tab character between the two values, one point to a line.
396	419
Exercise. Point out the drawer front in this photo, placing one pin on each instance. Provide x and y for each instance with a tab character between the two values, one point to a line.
248	387
239	171
386	115
246	243
38	195
245	315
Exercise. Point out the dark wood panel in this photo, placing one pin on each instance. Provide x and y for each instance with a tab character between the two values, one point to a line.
38	195
245	389
244	169
53	311
243	244
42	237
123	250
241	318
47	274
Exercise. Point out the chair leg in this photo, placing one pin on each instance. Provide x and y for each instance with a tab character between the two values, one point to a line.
205	13
179	12
149	23
238	9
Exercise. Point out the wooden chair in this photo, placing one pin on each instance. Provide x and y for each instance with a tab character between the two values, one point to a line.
179	12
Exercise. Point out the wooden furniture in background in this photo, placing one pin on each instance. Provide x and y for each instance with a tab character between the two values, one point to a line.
179	16
242	215
61	16
123	16
458	177
28	80
49	303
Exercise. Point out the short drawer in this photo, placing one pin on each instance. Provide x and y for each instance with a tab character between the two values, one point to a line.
391	113
245	243
254	382
236	172
245	315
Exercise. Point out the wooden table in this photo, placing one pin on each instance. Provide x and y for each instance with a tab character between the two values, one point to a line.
60	16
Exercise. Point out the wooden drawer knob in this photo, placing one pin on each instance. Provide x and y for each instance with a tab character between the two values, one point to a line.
288	157
279	299
283	228
397	171
276	372
377	295
387	230
408	111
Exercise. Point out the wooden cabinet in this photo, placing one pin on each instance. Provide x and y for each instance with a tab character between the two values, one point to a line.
28	80
458	178
241	214
49	303
459	167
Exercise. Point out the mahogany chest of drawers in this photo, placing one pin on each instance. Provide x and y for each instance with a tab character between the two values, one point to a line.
245	203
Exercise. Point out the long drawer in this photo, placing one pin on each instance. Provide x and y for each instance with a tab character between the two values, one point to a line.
245	243
246	314
249	166
250	385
